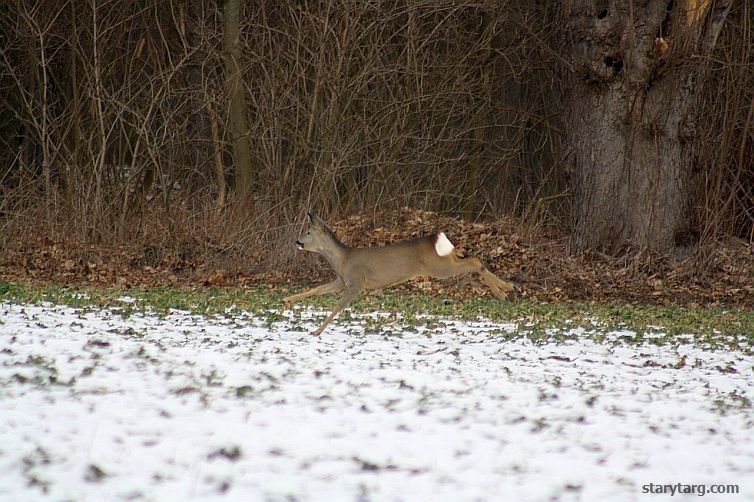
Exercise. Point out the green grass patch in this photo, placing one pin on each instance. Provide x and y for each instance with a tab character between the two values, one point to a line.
711	327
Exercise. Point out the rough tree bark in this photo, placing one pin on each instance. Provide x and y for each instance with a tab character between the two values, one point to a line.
629	116
237	119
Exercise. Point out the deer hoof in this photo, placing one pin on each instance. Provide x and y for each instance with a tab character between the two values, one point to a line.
288	301
499	293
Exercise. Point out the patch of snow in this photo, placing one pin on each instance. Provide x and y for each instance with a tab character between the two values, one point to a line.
97	407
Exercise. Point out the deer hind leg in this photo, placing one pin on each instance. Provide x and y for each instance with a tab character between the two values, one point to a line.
452	266
499	287
348	297
322	289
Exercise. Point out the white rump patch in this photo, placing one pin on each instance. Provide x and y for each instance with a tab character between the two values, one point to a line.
442	245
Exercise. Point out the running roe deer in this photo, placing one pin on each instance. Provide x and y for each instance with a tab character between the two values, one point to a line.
358	269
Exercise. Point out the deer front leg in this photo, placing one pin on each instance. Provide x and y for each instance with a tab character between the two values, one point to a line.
322	289
348	297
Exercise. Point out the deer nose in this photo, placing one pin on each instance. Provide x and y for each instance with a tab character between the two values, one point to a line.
300	244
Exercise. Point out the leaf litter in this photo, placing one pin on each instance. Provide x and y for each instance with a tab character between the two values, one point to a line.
539	263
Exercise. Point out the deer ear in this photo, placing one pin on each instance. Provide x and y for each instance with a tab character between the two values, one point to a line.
321	223
317	221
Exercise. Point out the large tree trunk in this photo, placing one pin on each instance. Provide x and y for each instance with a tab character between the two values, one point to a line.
237	120
630	115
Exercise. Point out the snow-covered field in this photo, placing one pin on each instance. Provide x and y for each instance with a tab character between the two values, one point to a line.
97	407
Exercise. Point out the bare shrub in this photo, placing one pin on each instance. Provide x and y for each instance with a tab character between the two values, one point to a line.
113	121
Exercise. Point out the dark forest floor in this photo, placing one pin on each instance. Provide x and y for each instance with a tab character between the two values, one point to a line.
540	266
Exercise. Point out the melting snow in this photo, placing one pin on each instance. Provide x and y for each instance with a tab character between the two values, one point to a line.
97	407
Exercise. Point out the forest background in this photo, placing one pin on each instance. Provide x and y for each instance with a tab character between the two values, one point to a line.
587	150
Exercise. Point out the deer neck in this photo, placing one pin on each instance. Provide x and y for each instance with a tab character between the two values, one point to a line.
335	253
